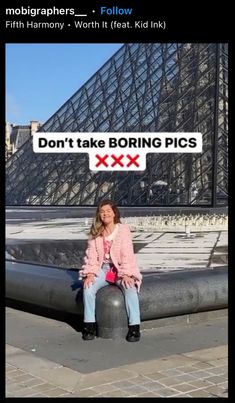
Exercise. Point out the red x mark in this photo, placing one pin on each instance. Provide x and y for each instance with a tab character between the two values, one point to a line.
117	160
101	160
133	160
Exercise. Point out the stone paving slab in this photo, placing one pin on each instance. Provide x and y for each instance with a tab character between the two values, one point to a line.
209	354
201	373
150	249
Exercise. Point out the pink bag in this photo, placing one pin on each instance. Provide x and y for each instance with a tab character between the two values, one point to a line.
111	276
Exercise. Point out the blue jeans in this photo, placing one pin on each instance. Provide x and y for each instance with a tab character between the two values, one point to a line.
130	294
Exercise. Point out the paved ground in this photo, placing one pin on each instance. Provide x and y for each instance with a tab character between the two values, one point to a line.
46	357
201	373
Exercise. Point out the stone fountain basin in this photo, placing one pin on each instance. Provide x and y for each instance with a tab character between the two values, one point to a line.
65	254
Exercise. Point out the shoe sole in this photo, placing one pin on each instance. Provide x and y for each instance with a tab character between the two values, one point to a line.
88	338
134	339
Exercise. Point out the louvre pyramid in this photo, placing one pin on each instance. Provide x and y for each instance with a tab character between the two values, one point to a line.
142	88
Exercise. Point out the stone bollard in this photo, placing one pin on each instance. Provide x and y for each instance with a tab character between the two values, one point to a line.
111	313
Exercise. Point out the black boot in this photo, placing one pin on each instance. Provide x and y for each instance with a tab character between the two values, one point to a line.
89	330
133	333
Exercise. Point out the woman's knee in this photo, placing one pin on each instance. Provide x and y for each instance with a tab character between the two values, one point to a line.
131	290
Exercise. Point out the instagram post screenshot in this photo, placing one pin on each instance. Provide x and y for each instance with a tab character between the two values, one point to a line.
116	199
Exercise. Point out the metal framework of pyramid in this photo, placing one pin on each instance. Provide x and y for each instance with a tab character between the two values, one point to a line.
149	87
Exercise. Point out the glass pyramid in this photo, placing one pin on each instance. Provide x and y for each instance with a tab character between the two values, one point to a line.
150	87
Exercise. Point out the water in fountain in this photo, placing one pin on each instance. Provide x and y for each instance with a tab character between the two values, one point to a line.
178	222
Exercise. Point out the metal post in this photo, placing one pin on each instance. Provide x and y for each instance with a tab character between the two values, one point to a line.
216	124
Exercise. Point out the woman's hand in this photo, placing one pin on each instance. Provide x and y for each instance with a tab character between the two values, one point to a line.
89	280
128	281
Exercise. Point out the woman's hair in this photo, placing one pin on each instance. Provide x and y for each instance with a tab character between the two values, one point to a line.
97	226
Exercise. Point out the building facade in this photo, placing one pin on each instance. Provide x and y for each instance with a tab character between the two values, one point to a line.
17	135
8	144
146	87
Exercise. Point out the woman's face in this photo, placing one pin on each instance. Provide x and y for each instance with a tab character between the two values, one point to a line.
107	214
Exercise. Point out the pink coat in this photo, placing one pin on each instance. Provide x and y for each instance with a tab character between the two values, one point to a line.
121	252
